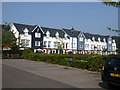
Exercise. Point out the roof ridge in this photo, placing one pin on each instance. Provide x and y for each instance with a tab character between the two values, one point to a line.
50	28
96	34
23	24
71	29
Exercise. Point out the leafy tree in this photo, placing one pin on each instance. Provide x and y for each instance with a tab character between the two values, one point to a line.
111	3
8	38
60	45
117	5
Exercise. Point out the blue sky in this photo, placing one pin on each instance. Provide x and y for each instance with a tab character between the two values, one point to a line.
92	17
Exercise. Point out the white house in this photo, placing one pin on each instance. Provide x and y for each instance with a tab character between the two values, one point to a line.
49	40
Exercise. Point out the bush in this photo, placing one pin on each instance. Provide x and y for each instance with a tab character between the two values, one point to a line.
79	64
95	63
90	62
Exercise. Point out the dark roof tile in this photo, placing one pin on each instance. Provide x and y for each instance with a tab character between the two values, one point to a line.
53	31
21	27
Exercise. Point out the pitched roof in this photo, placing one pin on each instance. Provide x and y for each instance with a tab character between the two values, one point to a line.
53	31
96	36
69	32
21	27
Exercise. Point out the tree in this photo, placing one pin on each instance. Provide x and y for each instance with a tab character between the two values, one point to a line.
111	3
114	4
60	45
8	38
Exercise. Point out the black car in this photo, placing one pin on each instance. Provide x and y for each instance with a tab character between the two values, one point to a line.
111	71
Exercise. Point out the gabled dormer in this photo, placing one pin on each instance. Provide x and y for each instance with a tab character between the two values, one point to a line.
66	36
57	35
25	31
47	34
93	38
99	39
104	40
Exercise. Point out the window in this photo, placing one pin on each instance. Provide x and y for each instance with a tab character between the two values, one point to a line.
99	47
23	41
81	46
113	48
37	35
57	35
63	45
99	39
92	47
86	40
93	39
87	46
49	44
109	48
65	36
81	39
45	43
113	41
74	45
37	43
25	31
55	44
66	45
27	41
48	34
109	42
104	40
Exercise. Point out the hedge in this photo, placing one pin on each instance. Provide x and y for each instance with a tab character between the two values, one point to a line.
89	62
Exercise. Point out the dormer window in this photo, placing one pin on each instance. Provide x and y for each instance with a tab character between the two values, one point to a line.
99	39
104	40
57	35
48	34
93	39
25	31
65	36
113	41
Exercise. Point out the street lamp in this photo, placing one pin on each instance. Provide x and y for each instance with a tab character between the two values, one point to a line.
72	39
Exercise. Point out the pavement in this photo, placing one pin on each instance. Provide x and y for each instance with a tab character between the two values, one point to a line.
20	73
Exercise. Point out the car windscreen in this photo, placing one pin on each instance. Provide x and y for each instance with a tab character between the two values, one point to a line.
114	61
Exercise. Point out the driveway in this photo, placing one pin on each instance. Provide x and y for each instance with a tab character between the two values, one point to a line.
20	73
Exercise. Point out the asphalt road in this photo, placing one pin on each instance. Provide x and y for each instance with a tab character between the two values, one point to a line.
31	74
16	78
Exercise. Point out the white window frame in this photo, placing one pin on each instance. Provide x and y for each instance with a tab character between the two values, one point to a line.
81	39
49	44
37	35
81	46
109	42
37	43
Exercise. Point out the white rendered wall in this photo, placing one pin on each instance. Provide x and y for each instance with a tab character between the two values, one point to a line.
54	39
16	33
26	37
74	41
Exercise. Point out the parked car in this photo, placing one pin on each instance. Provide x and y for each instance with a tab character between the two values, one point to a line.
111	71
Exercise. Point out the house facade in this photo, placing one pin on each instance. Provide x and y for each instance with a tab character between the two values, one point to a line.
51	40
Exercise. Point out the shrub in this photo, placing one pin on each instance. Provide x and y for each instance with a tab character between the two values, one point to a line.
79	64
95	63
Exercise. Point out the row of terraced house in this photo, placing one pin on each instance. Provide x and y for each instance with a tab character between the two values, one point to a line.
46	40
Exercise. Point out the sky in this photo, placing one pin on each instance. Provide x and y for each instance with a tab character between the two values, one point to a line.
92	17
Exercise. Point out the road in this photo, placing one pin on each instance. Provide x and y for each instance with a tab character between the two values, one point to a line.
19	73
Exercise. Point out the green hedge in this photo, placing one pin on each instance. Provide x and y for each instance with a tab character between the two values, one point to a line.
90	62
